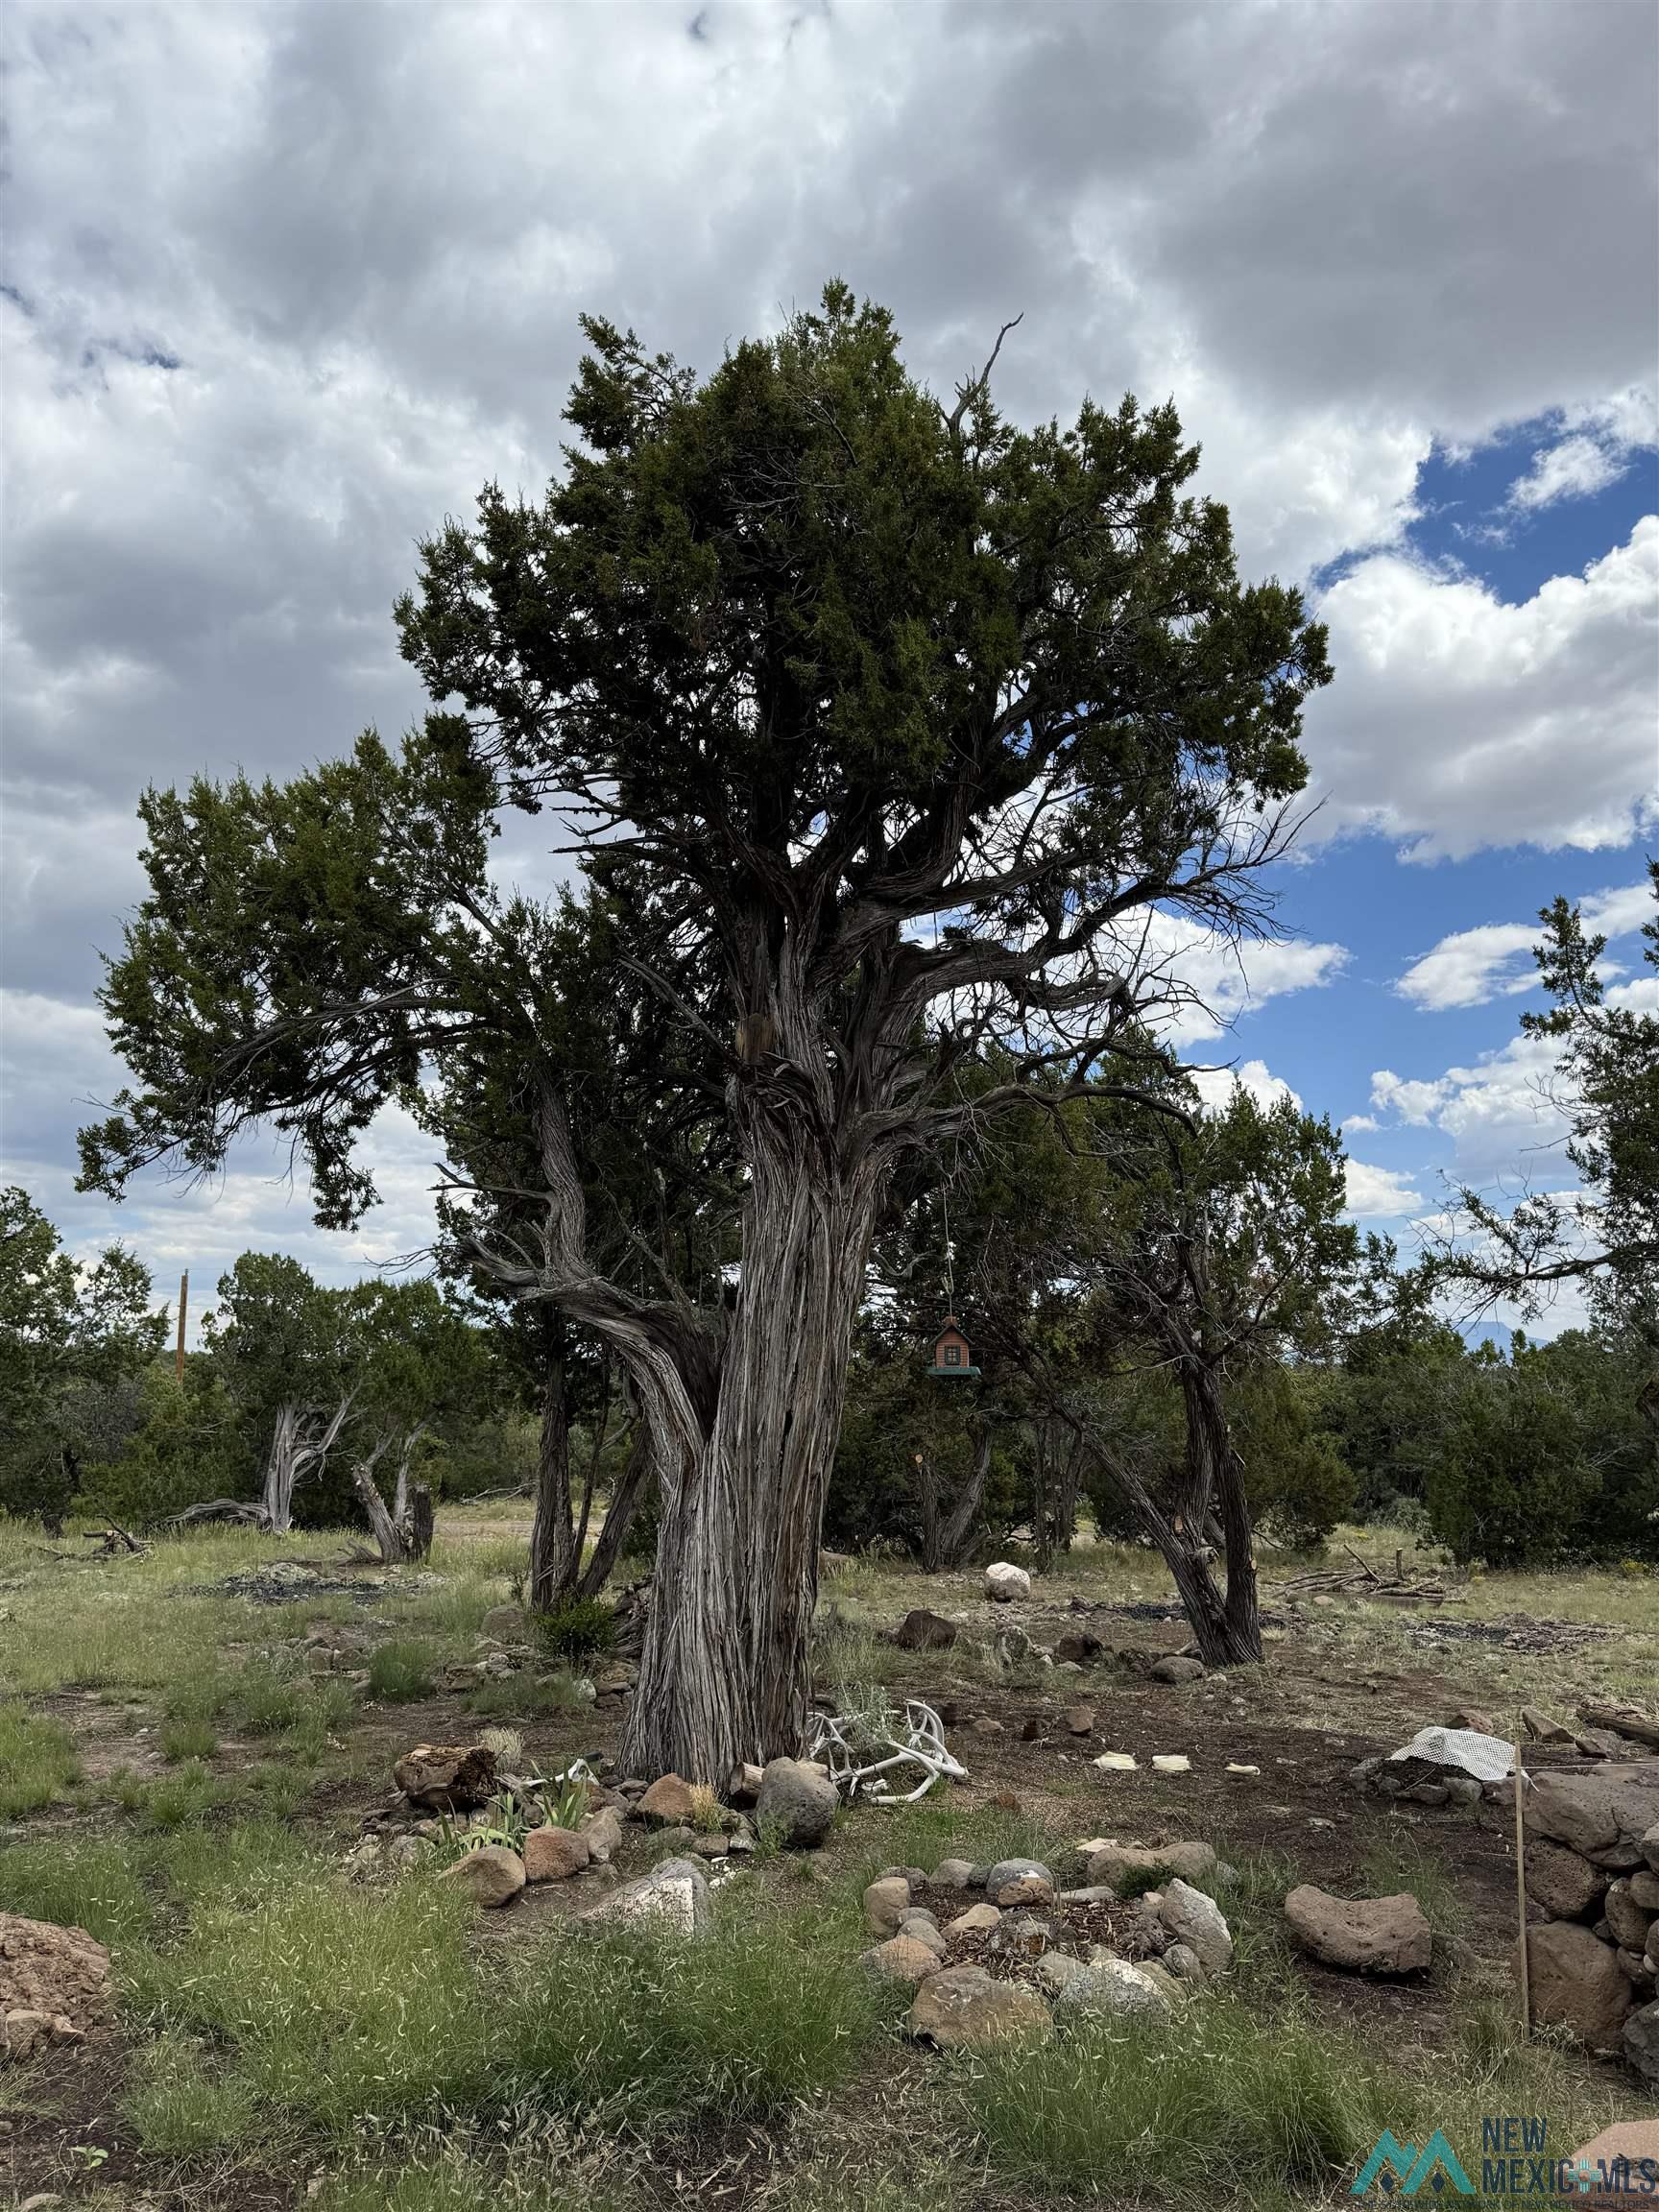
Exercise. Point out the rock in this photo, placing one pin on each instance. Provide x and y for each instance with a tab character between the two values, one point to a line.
1602	1812
507	1621
1567	1887
602	1833
1011	1645
970	1922
1362	1935
923	1631
491	1876
1642	2041
951	1874
1009	1873
707	1846
447	1777
555	1854
985	1726
962	2008
1620	2168
798	1798
1645	1889
1055	1968
1540	1728
669	1803
1188	1916
884	1901
1184	1963
1462	1788
1077	1649
1019	1936
57	1974
1080	1719
922	1928
1624	1916
902	1959
1003	1583
745	1787
1650	1848
1577	1984
1466	1717
833	1563
1176	1669
1635	1969
677	1891
1651	1949
1112	1864
1110	1990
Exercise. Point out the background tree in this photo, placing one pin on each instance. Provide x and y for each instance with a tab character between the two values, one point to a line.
816	667
73	1342
278	1342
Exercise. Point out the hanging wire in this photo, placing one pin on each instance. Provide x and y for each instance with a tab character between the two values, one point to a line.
949	1264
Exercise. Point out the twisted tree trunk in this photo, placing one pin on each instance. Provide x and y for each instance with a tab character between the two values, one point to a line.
725	1674
553	1552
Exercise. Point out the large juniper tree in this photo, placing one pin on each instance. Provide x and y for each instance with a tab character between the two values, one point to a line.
901	727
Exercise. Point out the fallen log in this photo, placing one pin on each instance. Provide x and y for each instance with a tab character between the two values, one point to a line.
1623	1720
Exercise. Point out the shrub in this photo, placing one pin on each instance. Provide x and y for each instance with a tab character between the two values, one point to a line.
579	1629
37	1760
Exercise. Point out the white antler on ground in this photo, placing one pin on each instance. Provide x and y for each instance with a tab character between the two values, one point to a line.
860	1750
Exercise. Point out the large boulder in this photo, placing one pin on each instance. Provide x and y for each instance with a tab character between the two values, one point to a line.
1176	1669
555	1854
963	2006
1362	1935
1650	1847
921	1631
1578	1984
447	1778
798	1800
1003	1583
1602	1812
1567	1887
1111	1988
1642	2041
1186	1915
675	1893
54	1984
492	1877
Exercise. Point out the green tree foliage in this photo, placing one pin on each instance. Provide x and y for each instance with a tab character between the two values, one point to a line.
73	1340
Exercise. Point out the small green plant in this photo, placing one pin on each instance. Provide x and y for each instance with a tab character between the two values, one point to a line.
179	2108
503	1822
579	1629
566	1801
509	1697
400	1672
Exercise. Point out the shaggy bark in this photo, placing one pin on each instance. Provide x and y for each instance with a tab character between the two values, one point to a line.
945	1536
553	1552
302	1440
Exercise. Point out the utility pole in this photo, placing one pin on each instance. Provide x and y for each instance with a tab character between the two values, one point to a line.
184	1301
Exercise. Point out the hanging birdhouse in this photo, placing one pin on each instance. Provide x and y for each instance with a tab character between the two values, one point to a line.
952	1357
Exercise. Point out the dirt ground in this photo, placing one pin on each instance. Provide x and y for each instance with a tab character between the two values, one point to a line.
1342	1682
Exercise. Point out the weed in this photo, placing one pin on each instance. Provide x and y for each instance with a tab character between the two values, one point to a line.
506	1744
706	1812
399	1672
36	1761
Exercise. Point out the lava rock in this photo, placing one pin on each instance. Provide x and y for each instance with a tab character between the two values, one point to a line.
1577	1984
799	1799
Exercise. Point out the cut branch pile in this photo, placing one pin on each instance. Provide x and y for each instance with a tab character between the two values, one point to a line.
1363	1580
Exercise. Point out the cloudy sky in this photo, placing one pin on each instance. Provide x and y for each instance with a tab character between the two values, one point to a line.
283	286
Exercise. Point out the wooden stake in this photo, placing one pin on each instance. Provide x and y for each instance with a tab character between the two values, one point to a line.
1521	1889
184	1301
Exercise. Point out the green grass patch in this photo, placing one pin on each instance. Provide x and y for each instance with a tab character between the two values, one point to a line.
1397	1861
401	1671
1183	2113
186	1738
518	1698
37	1760
90	1883
180	2106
